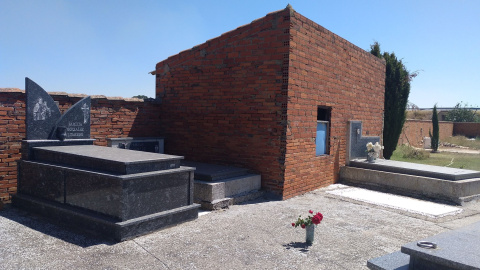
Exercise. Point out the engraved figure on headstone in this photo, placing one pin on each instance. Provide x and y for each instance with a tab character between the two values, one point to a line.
86	113
40	110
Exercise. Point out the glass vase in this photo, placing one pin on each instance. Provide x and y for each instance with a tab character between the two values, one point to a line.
310	233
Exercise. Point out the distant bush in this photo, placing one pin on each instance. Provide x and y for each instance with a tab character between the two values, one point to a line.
462	114
413	153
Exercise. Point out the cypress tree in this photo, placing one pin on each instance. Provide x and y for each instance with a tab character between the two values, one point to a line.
397	90
436	131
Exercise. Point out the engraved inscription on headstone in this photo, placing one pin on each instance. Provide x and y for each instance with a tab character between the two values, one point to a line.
44	120
75	121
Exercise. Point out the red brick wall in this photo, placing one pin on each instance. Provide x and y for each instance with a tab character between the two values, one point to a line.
110	118
222	100
326	70
467	129
12	130
414	131
250	97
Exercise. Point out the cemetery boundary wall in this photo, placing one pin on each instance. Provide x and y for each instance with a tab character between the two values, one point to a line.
111	117
470	130
415	130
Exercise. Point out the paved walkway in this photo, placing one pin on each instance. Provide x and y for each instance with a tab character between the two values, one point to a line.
257	235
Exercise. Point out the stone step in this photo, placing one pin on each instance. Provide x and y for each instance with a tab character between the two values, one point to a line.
213	172
219	194
113	160
393	261
104	226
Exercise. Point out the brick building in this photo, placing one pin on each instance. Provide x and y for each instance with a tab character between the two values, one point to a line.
274	96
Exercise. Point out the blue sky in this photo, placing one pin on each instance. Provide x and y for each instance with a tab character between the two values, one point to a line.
107	47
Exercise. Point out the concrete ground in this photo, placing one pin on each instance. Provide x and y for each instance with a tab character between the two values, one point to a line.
256	235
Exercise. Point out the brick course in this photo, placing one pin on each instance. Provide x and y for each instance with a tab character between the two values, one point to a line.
110	118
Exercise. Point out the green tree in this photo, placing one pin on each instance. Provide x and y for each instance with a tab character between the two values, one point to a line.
140	97
397	89
436	130
462	114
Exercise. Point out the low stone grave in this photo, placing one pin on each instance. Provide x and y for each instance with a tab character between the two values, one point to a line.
218	186
447	184
457	186
456	249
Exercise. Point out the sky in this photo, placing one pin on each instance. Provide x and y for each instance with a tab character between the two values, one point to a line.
108	47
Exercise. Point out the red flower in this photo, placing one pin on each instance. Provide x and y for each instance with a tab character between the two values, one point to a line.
310	211
303	226
293	224
317	218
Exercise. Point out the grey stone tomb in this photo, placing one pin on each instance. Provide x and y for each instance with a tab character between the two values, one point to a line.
357	144
113	193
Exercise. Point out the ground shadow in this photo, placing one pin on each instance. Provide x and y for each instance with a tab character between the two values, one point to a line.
300	246
51	228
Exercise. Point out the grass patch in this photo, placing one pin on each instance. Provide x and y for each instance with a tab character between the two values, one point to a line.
408	152
464	141
452	160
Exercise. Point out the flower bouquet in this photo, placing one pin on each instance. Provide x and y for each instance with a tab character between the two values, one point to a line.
308	224
373	151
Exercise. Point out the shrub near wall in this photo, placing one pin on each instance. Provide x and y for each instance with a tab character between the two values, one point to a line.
110	118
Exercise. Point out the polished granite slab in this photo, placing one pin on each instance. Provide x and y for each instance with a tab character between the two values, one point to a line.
457	249
121	197
393	166
114	160
104	226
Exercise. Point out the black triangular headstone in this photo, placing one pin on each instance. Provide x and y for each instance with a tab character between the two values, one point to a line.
41	112
74	123
45	122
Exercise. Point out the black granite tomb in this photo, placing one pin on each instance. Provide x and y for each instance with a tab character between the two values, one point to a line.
114	193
